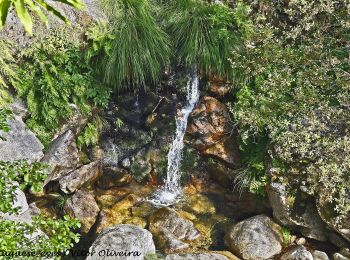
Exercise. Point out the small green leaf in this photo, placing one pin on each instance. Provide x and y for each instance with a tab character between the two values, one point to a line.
23	15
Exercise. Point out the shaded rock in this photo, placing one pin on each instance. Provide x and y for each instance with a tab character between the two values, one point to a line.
82	206
297	253
218	87
172	232
20	143
319	255
210	131
345	252
61	156
114	177
337	240
300	215
255	238
199	256
122	238
86	174
19	108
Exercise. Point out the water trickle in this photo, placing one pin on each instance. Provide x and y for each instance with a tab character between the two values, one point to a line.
171	191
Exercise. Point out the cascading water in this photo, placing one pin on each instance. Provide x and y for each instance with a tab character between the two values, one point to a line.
170	192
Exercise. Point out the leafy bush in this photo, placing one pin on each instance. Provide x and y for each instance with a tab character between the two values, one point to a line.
203	34
8	73
140	49
55	74
24	237
27	175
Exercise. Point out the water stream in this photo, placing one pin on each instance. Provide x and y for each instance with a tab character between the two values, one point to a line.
171	191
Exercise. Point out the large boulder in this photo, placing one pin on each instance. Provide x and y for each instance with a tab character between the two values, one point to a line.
172	232
297	253
255	238
20	143
82	205
301	215
211	133
84	175
127	242
61	156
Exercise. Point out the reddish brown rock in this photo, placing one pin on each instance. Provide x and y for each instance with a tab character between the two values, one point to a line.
211	131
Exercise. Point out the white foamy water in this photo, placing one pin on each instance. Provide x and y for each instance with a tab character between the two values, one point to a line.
171	191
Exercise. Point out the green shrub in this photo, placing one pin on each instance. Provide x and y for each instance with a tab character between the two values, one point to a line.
203	35
55	74
286	235
140	49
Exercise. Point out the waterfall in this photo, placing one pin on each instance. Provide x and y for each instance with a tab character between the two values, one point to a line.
169	193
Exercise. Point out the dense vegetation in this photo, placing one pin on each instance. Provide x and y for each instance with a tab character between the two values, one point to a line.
288	62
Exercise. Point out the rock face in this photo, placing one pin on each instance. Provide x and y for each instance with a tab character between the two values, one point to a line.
171	231
122	238
20	143
204	256
86	174
61	156
15	32
210	131
301	216
255	238
82	206
297	253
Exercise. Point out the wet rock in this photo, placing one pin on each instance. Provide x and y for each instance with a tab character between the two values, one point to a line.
211	133
62	156
172	232
119	213
255	238
319	255
199	256
301	215
122	238
114	177
200	204
82	206
20	143
84	175
297	253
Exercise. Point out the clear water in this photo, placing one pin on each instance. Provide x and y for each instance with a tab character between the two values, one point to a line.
171	191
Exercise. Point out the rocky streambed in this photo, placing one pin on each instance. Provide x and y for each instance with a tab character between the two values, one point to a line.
107	188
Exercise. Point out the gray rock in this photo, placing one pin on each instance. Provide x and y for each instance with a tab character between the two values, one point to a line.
297	253
301	216
19	108
23	217
119	239
338	256
86	174
255	238
345	252
203	256
20	143
319	255
172	231
82	205
61	156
